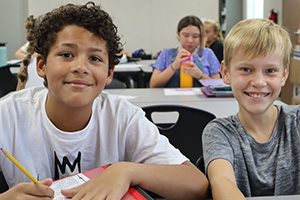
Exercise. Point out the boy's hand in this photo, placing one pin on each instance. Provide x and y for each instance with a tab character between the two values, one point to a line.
30	191
112	183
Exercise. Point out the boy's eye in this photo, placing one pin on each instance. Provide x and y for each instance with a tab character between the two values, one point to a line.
270	70
95	58
66	55
245	69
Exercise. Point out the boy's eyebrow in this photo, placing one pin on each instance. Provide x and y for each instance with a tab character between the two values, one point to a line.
97	50
90	49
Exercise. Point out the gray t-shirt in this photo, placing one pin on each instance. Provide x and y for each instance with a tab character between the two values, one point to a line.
261	169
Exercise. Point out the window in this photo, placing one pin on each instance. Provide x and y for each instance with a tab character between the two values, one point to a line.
255	9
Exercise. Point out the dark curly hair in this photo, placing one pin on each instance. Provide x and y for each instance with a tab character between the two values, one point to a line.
42	32
88	16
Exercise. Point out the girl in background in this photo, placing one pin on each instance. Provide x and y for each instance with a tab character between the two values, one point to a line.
214	37
205	65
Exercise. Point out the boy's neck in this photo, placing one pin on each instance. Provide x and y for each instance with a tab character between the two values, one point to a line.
69	120
259	126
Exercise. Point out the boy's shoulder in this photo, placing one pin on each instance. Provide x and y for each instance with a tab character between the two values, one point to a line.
112	100
289	111
28	93
225	124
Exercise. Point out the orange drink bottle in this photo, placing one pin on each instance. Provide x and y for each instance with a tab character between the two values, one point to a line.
186	81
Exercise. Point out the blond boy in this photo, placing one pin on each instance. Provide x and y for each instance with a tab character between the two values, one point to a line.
257	151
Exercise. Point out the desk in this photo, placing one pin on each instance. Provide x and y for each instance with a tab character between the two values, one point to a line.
134	74
288	197
219	106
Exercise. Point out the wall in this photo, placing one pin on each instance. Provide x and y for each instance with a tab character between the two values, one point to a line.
273	4
147	24
234	13
13	14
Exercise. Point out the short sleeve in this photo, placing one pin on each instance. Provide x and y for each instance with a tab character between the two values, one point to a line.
164	60
211	62
216	143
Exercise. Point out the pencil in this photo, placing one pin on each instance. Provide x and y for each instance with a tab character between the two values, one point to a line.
10	157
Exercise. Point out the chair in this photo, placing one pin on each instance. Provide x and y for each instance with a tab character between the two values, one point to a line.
3	184
200	164
186	133
115	84
8	81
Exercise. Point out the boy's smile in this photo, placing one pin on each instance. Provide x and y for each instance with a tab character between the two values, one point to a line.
76	68
256	83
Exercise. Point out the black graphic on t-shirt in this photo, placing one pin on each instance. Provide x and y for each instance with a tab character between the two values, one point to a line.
61	167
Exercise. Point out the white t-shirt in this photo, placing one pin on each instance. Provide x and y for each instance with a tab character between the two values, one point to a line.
117	131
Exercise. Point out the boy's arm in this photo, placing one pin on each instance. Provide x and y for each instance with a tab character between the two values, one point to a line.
222	180
183	181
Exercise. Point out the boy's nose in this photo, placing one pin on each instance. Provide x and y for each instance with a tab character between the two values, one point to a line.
80	66
258	80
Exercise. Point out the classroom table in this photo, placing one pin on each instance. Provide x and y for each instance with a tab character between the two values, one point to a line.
286	197
134	74
219	106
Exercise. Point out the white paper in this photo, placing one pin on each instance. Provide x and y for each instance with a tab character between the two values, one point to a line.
128	66
182	91
67	183
124	96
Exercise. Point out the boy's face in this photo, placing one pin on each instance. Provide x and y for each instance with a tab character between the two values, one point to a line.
256	83
76	67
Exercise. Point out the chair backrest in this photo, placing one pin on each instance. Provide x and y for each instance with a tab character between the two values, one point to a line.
3	184
8	81
200	164
186	133
115	84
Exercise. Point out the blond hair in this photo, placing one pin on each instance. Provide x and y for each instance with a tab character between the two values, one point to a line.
216	28
257	37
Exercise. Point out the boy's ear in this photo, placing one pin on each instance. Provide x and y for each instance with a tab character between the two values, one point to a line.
225	73
40	66
110	75
285	75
